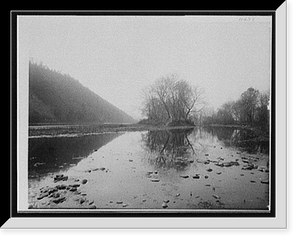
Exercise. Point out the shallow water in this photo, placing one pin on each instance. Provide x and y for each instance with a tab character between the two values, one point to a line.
216	168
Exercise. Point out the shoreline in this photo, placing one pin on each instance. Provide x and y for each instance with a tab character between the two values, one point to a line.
73	130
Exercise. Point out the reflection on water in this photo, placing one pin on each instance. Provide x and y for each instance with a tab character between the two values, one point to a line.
191	168
178	148
244	139
169	148
53	154
172	147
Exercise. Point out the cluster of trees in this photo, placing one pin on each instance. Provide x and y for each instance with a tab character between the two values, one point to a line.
171	100
252	108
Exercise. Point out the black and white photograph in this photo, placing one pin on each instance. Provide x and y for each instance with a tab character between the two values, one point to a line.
146	114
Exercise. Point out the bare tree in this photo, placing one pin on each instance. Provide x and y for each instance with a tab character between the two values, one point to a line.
173	97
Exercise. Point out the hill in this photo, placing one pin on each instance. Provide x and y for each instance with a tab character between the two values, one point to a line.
59	98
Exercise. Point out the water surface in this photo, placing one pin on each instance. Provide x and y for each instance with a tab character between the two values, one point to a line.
215	168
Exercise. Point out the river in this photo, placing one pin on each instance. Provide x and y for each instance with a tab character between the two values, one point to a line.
205	169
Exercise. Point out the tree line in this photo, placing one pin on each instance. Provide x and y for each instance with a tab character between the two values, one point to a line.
252	108
174	101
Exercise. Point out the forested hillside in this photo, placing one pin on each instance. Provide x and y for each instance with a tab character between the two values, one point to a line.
59	98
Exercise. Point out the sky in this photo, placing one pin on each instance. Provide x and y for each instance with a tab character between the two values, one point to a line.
118	56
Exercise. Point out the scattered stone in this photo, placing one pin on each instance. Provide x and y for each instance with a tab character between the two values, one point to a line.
119	202
60	178
166	200
253	181
130	160
92	207
42	196
177	195
191	161
82	200
249	166
265	181
164	205
206	177
155	180
124	205
184	176
196	176
242	174
206	154
207	185
73	189
219	173
144	200
219	164
61	187
84	181
59	200
216	196
209	170
74	185
102	168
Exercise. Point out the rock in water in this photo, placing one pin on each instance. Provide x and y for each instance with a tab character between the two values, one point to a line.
184	176
59	200
60	178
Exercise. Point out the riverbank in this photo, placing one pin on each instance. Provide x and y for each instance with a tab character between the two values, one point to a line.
36	131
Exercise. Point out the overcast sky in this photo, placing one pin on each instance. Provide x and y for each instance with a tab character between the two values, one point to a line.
117	56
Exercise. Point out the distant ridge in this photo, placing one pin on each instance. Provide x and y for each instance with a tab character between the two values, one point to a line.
59	98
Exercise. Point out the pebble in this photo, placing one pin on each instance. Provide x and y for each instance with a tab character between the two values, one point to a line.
184	176
60	178
59	200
